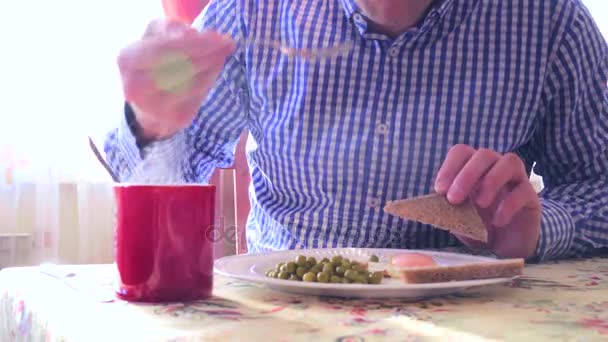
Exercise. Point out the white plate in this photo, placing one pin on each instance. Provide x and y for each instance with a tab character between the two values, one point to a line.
253	268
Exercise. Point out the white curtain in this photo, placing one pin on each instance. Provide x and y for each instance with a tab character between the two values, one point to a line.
599	10
58	84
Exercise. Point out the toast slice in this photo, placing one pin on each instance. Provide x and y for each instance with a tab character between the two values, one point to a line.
474	271
435	210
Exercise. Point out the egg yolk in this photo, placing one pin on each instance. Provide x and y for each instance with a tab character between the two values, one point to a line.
412	260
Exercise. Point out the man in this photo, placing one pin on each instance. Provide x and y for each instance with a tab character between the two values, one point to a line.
461	97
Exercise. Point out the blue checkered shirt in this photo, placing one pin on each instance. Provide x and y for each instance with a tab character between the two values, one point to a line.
330	141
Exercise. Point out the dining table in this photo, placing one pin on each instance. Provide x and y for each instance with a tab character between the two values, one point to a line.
563	300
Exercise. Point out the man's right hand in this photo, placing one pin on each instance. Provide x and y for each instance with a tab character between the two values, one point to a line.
168	73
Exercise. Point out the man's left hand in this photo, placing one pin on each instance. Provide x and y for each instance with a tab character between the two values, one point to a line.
499	186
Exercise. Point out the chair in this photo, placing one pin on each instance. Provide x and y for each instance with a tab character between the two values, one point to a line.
232	203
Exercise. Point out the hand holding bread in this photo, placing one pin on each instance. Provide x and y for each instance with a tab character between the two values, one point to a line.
485	199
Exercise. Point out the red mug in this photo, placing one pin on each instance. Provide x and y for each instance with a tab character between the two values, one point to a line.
164	246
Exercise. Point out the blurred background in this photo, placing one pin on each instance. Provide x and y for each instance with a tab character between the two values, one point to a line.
59	84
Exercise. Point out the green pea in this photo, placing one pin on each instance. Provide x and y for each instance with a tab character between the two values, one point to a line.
310	277
311	261
351	275
301	260
362	278
323	277
336	260
375	277
336	270
316	269
291	267
301	271
357	267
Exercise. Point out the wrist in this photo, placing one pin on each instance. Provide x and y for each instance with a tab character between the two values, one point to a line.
557	231
138	126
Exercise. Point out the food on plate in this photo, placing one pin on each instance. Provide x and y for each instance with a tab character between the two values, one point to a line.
472	271
410	260
437	211
337	270
408	267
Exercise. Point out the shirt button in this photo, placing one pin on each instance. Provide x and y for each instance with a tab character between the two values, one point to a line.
382	129
393	52
358	18
373	203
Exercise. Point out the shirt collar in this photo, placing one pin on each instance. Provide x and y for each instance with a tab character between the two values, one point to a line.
350	7
439	7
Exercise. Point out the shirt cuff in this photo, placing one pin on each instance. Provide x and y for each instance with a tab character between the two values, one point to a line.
556	231
162	162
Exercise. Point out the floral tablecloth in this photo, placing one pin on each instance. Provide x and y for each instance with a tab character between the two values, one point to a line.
566	301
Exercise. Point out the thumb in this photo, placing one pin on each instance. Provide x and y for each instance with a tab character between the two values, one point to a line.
471	243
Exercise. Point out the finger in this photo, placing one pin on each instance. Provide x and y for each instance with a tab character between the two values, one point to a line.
140	85
172	55
218	58
181	108
509	169
196	45
153	127
471	174
157	108
457	157
164	27
521	197
185	107
161	52
137	86
168	53
180	77
471	243
186	111
154	28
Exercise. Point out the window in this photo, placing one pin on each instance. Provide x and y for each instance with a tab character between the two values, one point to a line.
59	81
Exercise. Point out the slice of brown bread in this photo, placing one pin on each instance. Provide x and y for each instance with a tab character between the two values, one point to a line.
435	210
440	274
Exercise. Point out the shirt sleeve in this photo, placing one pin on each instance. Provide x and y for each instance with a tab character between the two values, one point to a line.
192	154
571	141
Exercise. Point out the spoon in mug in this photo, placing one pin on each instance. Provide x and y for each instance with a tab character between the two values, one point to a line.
102	161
